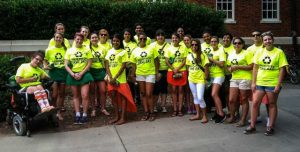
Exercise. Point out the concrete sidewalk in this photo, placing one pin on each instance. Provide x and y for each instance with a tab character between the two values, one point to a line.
173	134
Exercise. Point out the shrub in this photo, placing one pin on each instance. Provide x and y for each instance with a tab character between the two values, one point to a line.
35	19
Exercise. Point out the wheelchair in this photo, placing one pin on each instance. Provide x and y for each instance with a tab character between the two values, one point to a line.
24	109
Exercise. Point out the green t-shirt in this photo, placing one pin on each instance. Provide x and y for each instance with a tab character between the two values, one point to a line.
178	54
243	58
115	60
78	57
98	57
27	71
269	63
85	43
148	41
129	47
161	54
196	75
219	55
52	43
55	56
144	60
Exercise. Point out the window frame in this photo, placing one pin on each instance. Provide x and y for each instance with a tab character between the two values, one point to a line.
270	20
227	20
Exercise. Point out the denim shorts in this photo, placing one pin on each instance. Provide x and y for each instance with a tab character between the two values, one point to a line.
265	88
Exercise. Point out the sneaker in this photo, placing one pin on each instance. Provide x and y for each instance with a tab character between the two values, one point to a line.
83	120
269	131
249	130
220	119
77	120
164	109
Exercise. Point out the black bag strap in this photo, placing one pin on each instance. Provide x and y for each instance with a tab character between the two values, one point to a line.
97	56
197	63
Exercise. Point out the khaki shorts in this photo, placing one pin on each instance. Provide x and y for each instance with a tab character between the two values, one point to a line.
241	84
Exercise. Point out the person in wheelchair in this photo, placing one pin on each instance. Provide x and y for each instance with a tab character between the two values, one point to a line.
28	77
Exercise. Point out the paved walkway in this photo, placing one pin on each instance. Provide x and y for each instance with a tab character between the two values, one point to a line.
172	134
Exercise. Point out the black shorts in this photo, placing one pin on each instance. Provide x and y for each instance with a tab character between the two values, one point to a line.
161	86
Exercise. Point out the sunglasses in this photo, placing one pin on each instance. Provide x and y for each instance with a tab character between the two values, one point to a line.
103	34
142	39
194	44
254	35
239	43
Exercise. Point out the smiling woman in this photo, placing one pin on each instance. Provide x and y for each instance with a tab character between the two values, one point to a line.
28	77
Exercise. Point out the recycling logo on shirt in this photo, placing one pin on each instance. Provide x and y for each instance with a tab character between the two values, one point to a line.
58	56
35	75
234	62
161	52
177	53
127	48
112	57
97	54
207	50
267	60
143	54
78	54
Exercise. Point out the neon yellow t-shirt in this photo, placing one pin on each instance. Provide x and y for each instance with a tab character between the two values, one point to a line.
105	46
253	48
228	50
269	63
243	58
85	43
161	54
219	55
178	54
27	71
115	60
129	47
196	75
98	57
78	57
55	56
66	42
144	60
148	41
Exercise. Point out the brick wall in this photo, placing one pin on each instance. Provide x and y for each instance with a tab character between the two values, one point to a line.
248	17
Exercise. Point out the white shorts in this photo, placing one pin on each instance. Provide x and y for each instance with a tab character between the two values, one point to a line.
146	78
241	84
217	80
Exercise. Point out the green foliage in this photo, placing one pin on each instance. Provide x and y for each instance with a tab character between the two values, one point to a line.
35	19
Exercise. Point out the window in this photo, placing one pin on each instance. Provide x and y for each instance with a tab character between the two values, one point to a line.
227	6
270	11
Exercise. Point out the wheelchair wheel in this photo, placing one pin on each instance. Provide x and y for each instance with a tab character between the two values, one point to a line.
19	125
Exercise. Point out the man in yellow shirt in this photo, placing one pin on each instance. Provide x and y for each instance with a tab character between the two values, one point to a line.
139	29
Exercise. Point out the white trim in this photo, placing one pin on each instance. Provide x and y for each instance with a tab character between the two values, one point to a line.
228	20
271	20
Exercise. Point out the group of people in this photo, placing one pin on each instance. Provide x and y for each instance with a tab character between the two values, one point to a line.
131	68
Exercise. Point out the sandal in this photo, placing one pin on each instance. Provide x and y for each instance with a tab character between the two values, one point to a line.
151	117
105	112
180	114
63	109
174	114
145	116
249	130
